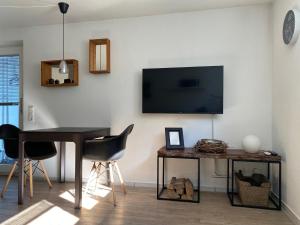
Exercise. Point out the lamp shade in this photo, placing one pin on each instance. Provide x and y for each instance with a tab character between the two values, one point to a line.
251	144
63	67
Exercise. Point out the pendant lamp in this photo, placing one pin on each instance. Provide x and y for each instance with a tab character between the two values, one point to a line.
63	66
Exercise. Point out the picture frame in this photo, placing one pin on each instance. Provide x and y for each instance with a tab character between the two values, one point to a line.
174	138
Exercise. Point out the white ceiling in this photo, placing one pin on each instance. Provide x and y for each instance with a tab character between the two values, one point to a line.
20	13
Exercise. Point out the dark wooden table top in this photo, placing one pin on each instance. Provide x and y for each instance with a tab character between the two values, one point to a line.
66	130
236	154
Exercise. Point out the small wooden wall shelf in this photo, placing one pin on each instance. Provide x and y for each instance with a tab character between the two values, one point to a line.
49	70
99	56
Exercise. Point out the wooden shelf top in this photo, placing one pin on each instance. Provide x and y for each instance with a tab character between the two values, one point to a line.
57	61
235	154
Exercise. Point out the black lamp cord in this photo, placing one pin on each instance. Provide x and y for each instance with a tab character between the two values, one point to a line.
63	36
212	127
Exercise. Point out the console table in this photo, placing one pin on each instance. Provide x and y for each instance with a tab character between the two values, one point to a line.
231	155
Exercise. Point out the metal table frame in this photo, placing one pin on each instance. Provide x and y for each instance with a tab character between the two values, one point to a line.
160	191
230	190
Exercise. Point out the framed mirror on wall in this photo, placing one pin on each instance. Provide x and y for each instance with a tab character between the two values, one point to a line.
99	56
174	138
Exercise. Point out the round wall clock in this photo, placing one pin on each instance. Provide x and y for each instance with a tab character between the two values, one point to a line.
291	27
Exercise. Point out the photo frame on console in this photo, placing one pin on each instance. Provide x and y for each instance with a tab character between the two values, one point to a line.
174	138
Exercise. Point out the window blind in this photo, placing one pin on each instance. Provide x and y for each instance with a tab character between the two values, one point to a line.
9	79
9	95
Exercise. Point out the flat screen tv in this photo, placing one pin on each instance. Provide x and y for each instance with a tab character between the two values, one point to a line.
194	90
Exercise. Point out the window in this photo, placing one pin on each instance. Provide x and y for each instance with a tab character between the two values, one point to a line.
9	94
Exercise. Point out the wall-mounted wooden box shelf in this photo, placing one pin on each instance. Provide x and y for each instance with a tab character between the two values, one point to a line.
49	70
99	56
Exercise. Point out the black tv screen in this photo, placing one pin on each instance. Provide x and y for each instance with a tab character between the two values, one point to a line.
196	90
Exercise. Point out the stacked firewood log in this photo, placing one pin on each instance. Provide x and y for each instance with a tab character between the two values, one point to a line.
180	188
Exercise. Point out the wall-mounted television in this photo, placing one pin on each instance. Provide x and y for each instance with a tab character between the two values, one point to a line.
194	90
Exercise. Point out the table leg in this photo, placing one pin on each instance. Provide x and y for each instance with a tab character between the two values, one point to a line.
107	174
62	161
279	182
232	182
198	200
227	176
78	173
163	173
157	177
268	168
21	171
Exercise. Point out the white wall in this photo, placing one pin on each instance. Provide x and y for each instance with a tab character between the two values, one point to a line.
286	108
238	38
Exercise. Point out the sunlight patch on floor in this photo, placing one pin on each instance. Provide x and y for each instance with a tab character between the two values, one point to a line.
42	213
55	215
100	191
87	201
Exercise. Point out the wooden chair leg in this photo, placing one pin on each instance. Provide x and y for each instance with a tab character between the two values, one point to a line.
25	178
107	173
98	173
8	178
93	170
30	179
120	177
45	173
25	171
111	174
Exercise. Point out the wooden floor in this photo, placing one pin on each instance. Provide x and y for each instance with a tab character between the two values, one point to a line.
138	207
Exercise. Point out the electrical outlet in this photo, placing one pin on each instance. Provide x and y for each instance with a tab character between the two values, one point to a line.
30	113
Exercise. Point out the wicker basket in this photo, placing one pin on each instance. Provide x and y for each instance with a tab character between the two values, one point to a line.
253	195
210	146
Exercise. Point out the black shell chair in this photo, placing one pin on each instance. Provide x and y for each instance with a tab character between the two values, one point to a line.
106	151
33	151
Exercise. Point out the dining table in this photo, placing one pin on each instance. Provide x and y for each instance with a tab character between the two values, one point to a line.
78	135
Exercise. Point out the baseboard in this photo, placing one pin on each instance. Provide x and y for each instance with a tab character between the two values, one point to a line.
213	189
290	213
140	184
5	168
147	185
153	185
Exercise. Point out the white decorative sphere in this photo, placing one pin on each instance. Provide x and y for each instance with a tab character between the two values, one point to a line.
251	144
